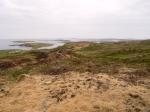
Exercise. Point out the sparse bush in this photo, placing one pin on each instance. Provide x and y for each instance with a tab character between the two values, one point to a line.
6	64
40	55
14	73
53	69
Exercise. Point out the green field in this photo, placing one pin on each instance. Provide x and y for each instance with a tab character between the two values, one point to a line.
91	57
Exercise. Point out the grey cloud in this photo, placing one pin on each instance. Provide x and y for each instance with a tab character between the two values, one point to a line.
75	18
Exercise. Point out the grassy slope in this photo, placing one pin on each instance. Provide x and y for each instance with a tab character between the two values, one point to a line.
81	57
123	86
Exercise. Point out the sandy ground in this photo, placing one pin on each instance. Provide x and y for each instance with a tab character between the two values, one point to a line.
73	92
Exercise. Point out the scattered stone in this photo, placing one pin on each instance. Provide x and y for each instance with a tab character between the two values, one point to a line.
48	82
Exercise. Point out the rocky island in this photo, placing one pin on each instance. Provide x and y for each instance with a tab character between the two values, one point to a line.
31	44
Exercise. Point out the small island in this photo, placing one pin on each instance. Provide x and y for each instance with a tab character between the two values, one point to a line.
33	45
23	41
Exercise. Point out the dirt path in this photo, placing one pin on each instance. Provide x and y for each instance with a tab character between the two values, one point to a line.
74	92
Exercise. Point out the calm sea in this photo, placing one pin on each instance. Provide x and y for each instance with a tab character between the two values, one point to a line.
6	44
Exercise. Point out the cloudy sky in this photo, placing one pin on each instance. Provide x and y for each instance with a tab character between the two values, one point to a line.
74	19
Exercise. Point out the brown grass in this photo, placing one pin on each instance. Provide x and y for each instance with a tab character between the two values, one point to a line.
74	92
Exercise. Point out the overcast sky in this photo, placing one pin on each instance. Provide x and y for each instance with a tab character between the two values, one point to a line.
74	19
